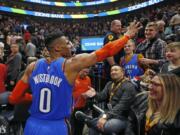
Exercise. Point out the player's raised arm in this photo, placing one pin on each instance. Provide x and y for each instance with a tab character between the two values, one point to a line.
85	60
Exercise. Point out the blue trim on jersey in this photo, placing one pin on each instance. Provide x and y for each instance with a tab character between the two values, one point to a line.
132	67
52	93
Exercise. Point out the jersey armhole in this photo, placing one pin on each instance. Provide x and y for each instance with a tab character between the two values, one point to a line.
63	65
34	66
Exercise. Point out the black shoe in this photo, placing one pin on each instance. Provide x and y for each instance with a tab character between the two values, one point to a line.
83	117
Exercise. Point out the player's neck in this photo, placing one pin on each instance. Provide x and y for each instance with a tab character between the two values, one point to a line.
53	57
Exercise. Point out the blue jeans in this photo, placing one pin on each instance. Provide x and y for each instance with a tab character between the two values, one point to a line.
110	127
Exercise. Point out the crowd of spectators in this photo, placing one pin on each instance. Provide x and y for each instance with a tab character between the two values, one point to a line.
30	32
11	25
22	37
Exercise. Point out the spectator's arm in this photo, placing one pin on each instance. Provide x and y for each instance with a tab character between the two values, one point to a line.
161	55
104	94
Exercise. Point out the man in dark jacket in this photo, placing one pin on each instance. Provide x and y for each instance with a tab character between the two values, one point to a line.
120	94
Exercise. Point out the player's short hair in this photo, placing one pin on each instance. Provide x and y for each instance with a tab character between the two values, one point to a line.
51	37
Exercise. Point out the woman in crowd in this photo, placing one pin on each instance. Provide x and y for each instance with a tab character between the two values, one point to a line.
161	116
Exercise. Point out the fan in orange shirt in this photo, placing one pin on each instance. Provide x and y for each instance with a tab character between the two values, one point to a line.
82	84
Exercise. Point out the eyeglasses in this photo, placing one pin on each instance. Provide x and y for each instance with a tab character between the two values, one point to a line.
155	83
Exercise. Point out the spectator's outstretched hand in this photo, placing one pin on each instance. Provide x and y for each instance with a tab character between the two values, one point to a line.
133	29
90	93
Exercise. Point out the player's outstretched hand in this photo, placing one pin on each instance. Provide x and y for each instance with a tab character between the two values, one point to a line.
133	29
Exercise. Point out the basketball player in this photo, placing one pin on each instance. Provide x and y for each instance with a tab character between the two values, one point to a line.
51	80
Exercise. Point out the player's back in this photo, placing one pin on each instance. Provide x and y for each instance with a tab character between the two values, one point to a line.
52	94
